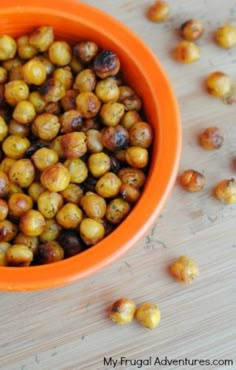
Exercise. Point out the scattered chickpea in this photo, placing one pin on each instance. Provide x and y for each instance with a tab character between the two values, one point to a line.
191	30
122	311
148	315
225	191
226	36
158	11
184	269
211	138
218	84
186	52
192	181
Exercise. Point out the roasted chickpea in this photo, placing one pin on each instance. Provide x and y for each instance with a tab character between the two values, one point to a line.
13	189
99	164
50	252
225	191
211	138
30	241
91	231
16	73
41	38
11	63
117	210
35	189
132	176
73	193
218	84
184	269
44	157
3	248
6	164
68	100
137	156
85	81
19	203
125	92
60	53
8	231
69	216
122	311
56	177
141	134
51	231
158	11
115	138
3	129
3	210
24	112
91	124
77	169
191	30
75	65
129	193
48	65
4	184
88	104
24	49
16	128
64	76
107	90
7	47
32	223
93	205
71	120
108	185
94	141
46	126
53	108
111	113
52	90
15	147
16	91
186	52
22	173
19	255
3	75
192	181
34	72
148	315
56	145
71	242
74	145
37	100
226	36
129	118
49	203
85	51
106	64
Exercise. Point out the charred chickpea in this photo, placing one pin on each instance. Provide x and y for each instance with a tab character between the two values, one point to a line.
37	100
55	178
41	38
50	252
91	231
68	100
52	90
184	269
64	76
225	36
7	47
93	205
191	30
117	210
15	147
94	141
19	203
60	53
49	203
218	84
72	194
85	81
24	112
85	51
22	173
70	242
106	64
74	145
107	90
3	209
3	248
4	184
44	157
159	11
115	138
8	231
108	185
69	216
16	128
122	311
192	181
132	176
137	157
32	223
6	164
34	190
71	120
3	128
51	231
211	138
99	164
141	134
34	72
148	315
16	91
3	75
130	193
186	52
225	191
111	113
129	118
19	255
77	169
46	126
30	241
24	49
88	104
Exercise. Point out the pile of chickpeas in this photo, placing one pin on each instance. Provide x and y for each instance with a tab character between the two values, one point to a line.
75	147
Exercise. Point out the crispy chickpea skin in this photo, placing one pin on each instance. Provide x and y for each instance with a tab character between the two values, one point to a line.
7	47
3	209
108	185
46	126
122	311
159	11
41	38
24	112
99	164
50	252
192	181
88	104
19	203
184	269
141	134
8	231
22	173
55	178
74	145
93	205
69	216
15	147
212	138
60	53
51	231
106	64
148	315
225	191
186	52
52	90
49	203
30	241
115	138
19	255
85	81
218	84
137	157
16	91
32	223
91	231
3	128
85	51
117	210
225	36
191	30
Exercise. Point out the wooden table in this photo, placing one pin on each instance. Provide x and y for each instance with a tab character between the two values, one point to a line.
67	328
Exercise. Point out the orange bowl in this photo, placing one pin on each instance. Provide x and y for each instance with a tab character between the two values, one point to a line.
72	20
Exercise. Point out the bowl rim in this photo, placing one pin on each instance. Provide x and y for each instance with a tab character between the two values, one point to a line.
150	204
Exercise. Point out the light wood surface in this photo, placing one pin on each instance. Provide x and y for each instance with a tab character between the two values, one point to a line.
67	328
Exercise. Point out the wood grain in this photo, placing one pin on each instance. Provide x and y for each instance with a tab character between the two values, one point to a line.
67	328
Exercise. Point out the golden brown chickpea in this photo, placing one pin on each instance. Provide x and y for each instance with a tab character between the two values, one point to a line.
16	91
94	141
85	51
225	191
107	90
93	205
88	104
3	75
52	90
85	81
125	92
218	84
6	164
74	145
192	181
122	311
73	193
106	64
64	76
55	177
34	72
69	216
48	65
137	156
70	242
19	255
186	52
141	134
7	47
44	157
158	11
13	189
16	128
148	315
16	73
50	252
191	30
3	210
35	189
41	38
211	138
22	173
24	112
75	65
37	100
3	128
51	231
129	98
132	176
111	113
56	145
46	126
32	223
91	231
71	120
30	241
99	164
4	184
77	169
129	118
3	248
11	63
53	108
184	269
60	53
24	49
8	231
108	185
49	203
117	210
115	138
68	100
19	203
15	147
129	193
226	36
